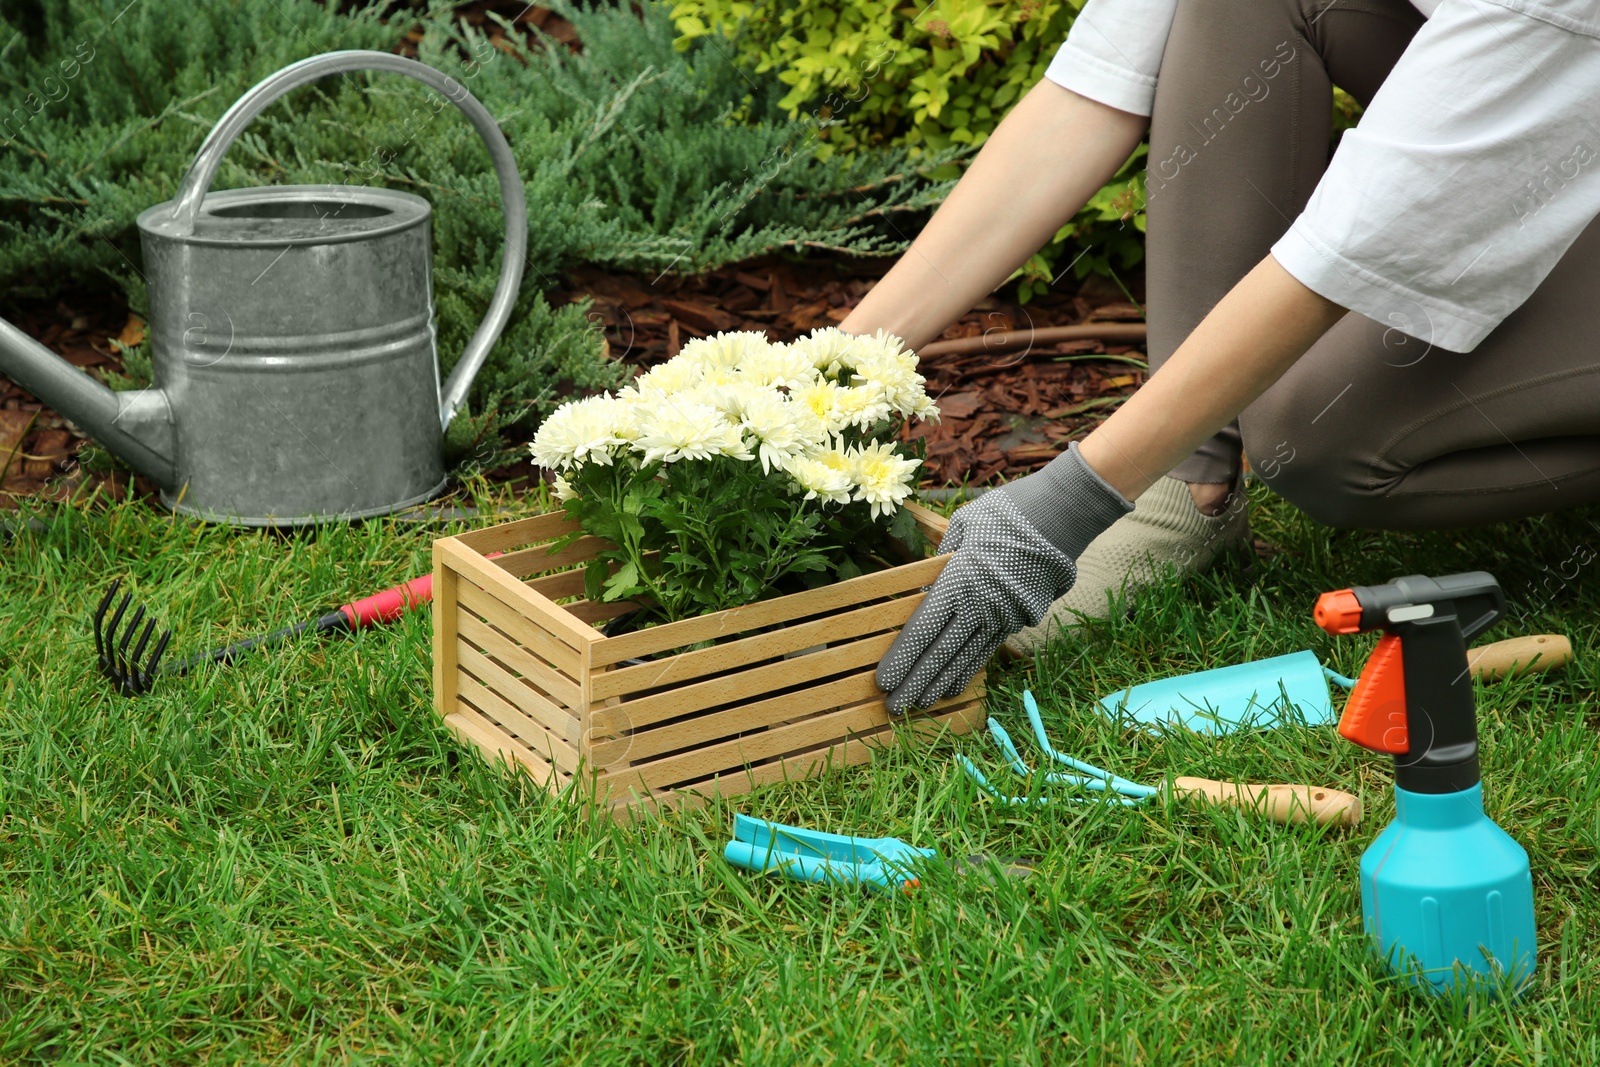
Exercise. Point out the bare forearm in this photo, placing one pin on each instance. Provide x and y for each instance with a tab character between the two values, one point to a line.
1042	163
1249	339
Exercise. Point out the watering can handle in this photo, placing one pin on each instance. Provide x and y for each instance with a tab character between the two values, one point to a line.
197	182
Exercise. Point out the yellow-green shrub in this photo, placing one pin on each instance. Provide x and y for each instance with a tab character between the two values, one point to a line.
925	76
879	71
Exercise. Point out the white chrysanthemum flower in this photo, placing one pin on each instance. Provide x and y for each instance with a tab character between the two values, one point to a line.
673	376
825	476
821	399
861	405
673	429
727	351
631	404
920	405
781	365
562	489
783	429
580	431
734	398
830	350
894	370
882	346
883	477
808	424
717	377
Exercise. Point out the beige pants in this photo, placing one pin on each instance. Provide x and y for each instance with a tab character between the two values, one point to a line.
1372	427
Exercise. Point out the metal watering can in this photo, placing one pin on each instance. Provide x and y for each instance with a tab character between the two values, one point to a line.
296	371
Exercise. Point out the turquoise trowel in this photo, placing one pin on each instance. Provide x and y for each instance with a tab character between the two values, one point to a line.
1293	689
1259	695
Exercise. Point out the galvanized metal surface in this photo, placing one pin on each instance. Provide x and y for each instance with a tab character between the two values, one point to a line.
292	336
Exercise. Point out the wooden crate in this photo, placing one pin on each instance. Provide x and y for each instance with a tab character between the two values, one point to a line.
521	672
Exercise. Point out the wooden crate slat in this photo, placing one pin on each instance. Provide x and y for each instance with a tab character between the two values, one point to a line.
645	744
539	558
563	722
591	612
847	594
839	751
498	746
932	524
444	611
553	684
558	586
685	666
517	534
571	583
538	610
629	806
494	708
751	748
864	718
546	649
700	696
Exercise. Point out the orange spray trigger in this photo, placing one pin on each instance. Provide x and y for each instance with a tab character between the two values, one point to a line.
1375	715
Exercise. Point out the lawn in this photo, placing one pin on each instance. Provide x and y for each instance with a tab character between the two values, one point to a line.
290	861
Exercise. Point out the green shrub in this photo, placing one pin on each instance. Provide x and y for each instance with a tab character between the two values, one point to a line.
634	154
878	72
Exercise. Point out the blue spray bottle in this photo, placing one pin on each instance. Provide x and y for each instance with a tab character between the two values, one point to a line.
1445	892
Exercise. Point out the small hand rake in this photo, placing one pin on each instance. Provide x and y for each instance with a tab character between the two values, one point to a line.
1279	802
116	663
133	673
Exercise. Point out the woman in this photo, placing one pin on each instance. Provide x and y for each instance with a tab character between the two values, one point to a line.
1400	336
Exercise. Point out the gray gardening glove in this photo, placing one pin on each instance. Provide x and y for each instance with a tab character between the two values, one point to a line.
1014	551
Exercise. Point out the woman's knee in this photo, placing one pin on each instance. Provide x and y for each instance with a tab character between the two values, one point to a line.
1313	467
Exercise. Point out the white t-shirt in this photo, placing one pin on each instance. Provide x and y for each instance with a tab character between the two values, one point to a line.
1472	171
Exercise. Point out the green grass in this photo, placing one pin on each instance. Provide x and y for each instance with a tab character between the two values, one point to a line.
288	861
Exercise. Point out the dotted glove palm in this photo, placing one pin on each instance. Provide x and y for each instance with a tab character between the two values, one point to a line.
1014	551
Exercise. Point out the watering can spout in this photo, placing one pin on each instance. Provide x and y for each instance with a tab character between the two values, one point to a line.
137	426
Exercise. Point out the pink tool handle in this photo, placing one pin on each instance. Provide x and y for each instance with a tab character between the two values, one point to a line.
393	602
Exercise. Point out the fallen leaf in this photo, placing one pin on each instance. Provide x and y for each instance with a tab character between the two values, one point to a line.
133	332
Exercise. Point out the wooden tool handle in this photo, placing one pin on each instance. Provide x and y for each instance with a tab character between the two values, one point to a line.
1281	803
1518	655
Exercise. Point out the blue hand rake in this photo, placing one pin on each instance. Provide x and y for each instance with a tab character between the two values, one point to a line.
1282	803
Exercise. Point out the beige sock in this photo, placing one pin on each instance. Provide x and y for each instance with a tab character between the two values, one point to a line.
1163	530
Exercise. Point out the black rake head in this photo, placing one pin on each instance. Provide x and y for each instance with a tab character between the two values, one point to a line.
116	662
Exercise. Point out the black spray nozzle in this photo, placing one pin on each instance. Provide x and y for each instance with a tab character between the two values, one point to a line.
1428	721
1474	599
